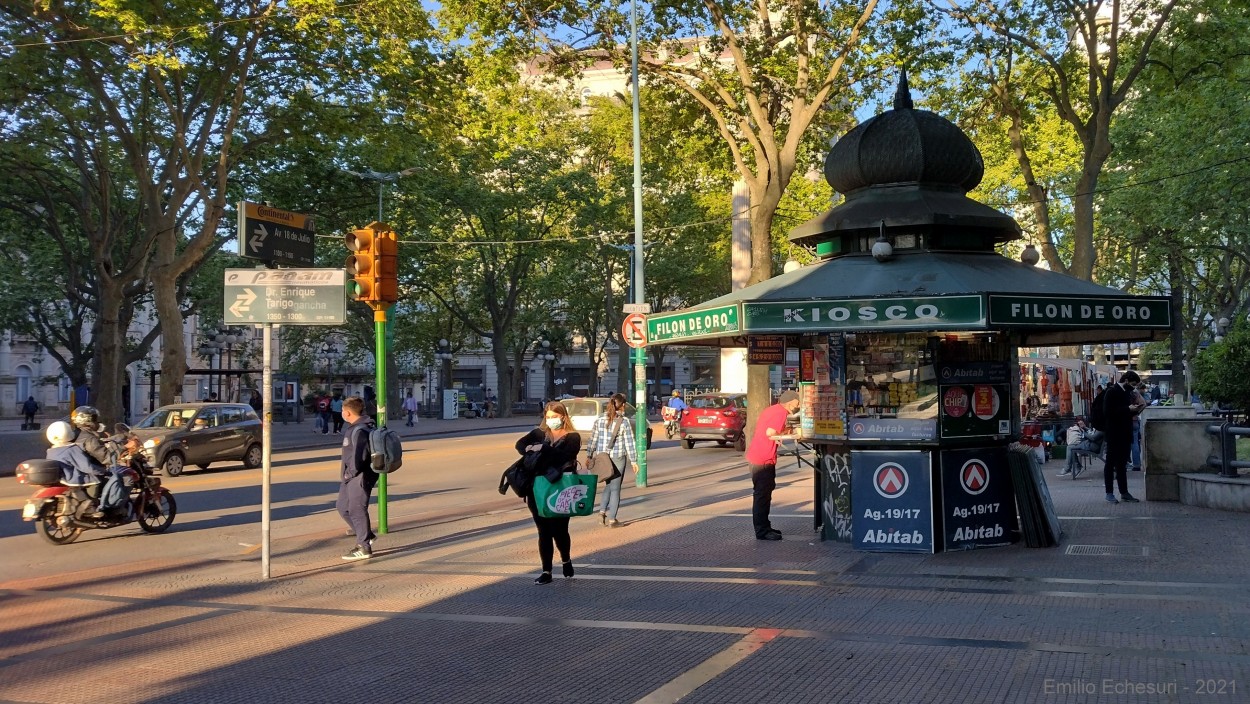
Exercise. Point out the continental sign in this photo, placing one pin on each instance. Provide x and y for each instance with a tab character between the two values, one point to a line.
1082	312
692	324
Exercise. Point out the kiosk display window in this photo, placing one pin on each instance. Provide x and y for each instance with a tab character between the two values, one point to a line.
890	375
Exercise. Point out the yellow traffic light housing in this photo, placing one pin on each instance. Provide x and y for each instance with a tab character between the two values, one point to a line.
386	256
373	265
361	265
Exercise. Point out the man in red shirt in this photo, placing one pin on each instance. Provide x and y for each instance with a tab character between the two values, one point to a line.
761	457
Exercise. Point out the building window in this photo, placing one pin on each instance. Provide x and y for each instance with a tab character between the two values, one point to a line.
23	383
63	389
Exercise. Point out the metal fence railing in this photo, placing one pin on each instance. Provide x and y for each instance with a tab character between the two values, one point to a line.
1227	461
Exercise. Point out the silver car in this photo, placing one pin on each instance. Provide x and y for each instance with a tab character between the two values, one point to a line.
200	434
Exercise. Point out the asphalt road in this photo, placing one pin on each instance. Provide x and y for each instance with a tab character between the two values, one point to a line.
445	479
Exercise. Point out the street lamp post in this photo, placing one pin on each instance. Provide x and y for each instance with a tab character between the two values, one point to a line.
209	349
1221	329
444	356
382	179
548	357
226	338
329	356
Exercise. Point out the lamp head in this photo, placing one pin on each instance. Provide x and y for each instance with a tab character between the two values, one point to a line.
881	249
1030	255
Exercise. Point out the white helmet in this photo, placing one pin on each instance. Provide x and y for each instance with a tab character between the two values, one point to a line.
60	433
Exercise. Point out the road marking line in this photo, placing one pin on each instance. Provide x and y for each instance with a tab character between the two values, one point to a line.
711	668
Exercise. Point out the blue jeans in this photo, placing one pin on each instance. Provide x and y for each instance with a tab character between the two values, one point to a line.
612	492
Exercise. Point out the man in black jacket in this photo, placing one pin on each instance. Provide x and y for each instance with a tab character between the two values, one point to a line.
356	478
1119	407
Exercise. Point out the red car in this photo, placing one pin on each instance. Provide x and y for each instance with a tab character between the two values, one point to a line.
718	417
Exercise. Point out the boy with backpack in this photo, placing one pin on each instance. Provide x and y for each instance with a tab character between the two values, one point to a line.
356	478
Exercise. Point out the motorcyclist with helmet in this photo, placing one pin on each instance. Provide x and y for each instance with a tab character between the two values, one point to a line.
87	420
78	467
672	413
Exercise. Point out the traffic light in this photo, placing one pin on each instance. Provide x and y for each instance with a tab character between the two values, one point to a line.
386	255
373	265
362	265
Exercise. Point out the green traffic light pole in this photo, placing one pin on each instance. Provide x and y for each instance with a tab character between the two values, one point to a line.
379	339
640	354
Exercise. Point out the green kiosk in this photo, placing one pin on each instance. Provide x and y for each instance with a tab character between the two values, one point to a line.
907	331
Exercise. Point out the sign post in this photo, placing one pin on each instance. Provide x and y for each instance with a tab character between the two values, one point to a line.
265	297
634	333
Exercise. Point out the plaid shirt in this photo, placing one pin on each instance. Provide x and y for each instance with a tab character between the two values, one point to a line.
601	435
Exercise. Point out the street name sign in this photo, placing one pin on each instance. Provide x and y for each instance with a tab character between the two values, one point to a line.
636	308
289	296
277	236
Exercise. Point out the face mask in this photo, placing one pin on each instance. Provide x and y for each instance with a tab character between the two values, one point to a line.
555	423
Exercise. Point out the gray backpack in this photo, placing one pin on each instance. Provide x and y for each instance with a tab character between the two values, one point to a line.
385	451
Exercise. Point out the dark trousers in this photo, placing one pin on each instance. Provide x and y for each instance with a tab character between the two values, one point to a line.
30	418
1115	470
763	481
338	421
552	533
353	506
325	422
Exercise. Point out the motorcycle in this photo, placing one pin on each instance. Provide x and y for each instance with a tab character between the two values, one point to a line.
61	513
672	421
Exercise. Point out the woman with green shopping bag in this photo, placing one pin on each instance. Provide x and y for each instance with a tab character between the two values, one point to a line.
555	446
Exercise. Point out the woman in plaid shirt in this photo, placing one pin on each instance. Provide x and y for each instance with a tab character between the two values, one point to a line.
613	422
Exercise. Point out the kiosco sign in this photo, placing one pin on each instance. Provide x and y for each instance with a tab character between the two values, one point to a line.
949	312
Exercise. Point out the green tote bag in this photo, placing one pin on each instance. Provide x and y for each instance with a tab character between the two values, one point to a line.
572	495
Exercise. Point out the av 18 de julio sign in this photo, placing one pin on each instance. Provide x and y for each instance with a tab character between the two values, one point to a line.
274	235
291	296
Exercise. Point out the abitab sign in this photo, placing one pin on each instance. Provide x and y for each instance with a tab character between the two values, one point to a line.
891	501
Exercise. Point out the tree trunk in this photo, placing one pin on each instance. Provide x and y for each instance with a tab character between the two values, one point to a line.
1083	225
173	345
106	381
764	201
503	380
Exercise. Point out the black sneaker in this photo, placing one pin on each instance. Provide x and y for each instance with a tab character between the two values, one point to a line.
770	535
544	578
360	552
1129	499
1111	499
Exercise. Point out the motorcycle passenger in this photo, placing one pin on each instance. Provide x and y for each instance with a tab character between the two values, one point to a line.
87	420
78	468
